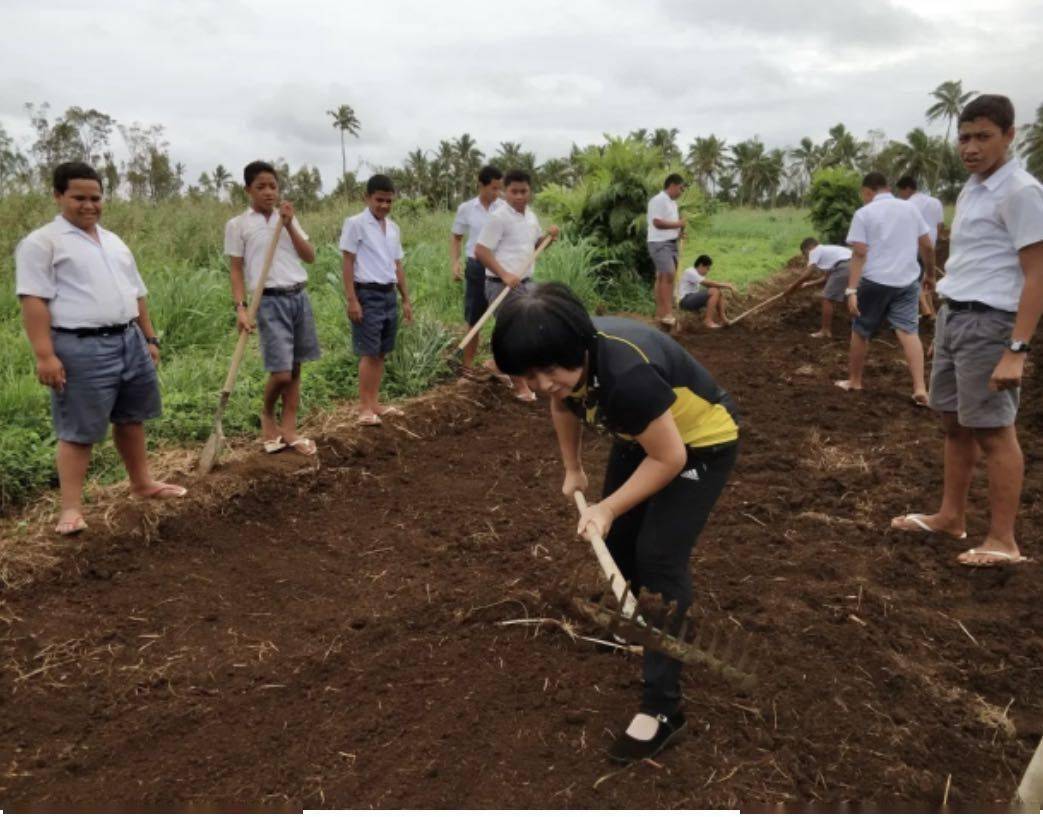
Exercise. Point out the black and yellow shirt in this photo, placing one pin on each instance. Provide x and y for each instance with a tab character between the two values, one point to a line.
636	373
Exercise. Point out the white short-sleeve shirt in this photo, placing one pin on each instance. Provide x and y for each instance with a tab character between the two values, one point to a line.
86	283
827	256
471	217
691	281
932	211
891	228
376	249
248	235
512	237
994	219
664	207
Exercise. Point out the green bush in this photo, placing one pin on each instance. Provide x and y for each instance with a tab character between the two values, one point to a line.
834	198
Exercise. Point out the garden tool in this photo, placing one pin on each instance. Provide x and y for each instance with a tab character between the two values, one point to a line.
757	308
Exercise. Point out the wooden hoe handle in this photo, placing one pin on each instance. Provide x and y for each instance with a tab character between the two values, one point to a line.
607	563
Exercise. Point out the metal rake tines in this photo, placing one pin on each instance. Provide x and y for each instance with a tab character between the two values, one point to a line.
658	626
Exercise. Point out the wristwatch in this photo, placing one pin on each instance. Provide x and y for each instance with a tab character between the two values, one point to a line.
851	291
153	341
1019	346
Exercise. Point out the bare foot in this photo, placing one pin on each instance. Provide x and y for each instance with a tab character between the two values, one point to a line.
991	553
929	523
846	385
821	334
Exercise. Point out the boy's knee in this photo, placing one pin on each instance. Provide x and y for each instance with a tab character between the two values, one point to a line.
281	379
996	440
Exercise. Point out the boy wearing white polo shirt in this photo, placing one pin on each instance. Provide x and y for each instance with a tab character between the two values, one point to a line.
833	262
471	217
884	282
284	316
372	248
83	307
665	226
992	301
933	213
505	247
696	291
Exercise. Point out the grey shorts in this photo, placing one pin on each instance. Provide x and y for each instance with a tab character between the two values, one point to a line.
494	286
475	302
967	347
836	283
899	306
694	301
375	335
664	256
108	379
287	330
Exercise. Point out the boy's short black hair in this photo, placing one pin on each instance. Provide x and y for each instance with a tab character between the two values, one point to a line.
997	108
255	169
673	178
379	183
906	183
875	180
703	260
808	244
548	326
67	171
488	174
517	175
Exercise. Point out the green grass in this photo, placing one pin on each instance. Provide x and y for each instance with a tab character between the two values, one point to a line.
178	247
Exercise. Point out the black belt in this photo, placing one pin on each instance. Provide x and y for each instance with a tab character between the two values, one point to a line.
375	287
283	290
973	306
95	331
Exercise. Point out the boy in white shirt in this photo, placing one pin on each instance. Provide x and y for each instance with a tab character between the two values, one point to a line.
284	316
833	262
471	217
992	302
505	247
665	226
884	282
698	291
933	213
83	307
372	248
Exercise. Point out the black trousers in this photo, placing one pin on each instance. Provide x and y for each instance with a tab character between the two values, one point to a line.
652	544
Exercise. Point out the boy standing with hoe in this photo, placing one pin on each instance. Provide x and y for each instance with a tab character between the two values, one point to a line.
471	217
992	302
284	316
884	283
83	307
665	227
372	248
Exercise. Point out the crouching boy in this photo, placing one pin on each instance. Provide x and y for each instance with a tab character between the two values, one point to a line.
697	292
284	316
83	307
676	440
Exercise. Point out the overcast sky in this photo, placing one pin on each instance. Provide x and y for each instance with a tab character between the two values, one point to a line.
232	80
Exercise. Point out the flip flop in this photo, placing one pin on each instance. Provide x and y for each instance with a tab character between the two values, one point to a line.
845	385
917	519
71	527
271	446
998	557
392	411
369	419
163	490
303	445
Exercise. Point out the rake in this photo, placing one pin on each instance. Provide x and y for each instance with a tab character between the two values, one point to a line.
677	635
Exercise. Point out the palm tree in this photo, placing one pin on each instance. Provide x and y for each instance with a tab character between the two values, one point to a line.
345	120
919	156
1030	145
843	149
808	157
950	101
221	179
468	161
665	139
706	159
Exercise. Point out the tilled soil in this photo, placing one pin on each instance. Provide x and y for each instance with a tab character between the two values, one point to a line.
337	637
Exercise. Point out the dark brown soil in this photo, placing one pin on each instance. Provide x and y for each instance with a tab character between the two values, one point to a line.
332	637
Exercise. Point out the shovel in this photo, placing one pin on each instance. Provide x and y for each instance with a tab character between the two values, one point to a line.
214	445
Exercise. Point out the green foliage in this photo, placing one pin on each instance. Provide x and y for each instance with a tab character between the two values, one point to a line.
834	198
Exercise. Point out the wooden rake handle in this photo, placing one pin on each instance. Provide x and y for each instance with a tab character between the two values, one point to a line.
757	308
500	298
677	271
607	563
251	312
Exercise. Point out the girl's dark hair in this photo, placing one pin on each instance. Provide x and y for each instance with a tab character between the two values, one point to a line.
548	326
67	171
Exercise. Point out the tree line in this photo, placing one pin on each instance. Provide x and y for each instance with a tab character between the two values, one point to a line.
744	173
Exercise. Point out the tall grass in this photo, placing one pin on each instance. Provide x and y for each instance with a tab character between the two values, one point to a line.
179	250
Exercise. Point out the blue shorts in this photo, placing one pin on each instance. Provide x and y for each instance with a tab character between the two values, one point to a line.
287	330
108	379
899	306
375	335
694	301
475	302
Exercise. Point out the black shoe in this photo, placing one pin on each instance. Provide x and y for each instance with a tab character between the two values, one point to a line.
626	749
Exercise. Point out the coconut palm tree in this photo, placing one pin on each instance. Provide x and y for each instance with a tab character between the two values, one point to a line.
707	160
842	149
950	98
665	139
920	156
1030	145
467	162
808	157
221	180
345	121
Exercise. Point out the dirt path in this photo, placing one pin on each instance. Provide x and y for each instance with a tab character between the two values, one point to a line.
331	639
